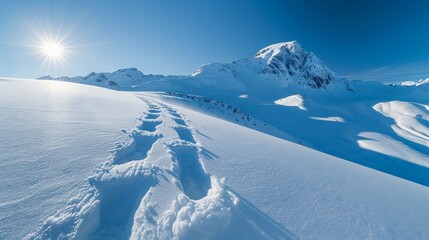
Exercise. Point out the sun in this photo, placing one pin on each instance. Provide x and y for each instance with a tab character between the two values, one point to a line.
53	50
53	39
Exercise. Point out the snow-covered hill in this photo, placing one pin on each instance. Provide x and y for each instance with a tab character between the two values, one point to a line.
181	167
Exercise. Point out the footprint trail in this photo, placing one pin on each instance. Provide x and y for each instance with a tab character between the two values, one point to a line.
153	187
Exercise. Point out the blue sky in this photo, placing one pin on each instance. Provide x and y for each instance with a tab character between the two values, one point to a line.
366	39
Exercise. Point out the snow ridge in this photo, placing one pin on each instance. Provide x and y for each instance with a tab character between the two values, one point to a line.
410	119
282	64
126	77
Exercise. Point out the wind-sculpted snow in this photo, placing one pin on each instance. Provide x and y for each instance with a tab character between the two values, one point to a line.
386	145
411	120
292	101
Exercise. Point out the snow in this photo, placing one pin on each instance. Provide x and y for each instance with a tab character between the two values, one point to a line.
53	136
422	82
194	157
304	197
386	145
292	101
337	110
121	78
329	119
178	175
411	120
275	49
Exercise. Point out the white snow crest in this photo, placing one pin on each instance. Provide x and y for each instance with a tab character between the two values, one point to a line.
202	219
292	101
278	48
410	120
186	218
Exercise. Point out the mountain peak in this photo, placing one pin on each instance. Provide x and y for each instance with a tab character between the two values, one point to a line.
288	62
127	70
279	48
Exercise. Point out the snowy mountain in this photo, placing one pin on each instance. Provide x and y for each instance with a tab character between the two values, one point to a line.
289	62
127	77
422	84
276	146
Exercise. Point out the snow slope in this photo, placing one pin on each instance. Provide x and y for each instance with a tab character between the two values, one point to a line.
53	134
411	120
185	171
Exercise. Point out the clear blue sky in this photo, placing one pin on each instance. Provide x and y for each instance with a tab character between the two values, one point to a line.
363	39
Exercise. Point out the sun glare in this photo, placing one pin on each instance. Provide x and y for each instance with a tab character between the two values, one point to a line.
52	49
53	38
54	52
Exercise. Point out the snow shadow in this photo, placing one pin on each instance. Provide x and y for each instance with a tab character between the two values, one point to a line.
119	201
179	121
185	134
208	154
152	116
194	180
149	126
174	113
154	111
137	150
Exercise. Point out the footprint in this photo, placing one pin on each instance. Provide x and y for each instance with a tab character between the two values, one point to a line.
138	149
173	113
154	111
153	106
179	121
185	134
152	116
119	200
194	180
149	126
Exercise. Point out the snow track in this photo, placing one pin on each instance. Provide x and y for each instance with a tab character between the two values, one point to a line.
154	186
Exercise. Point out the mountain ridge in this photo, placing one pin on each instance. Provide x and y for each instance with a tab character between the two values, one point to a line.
285	64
